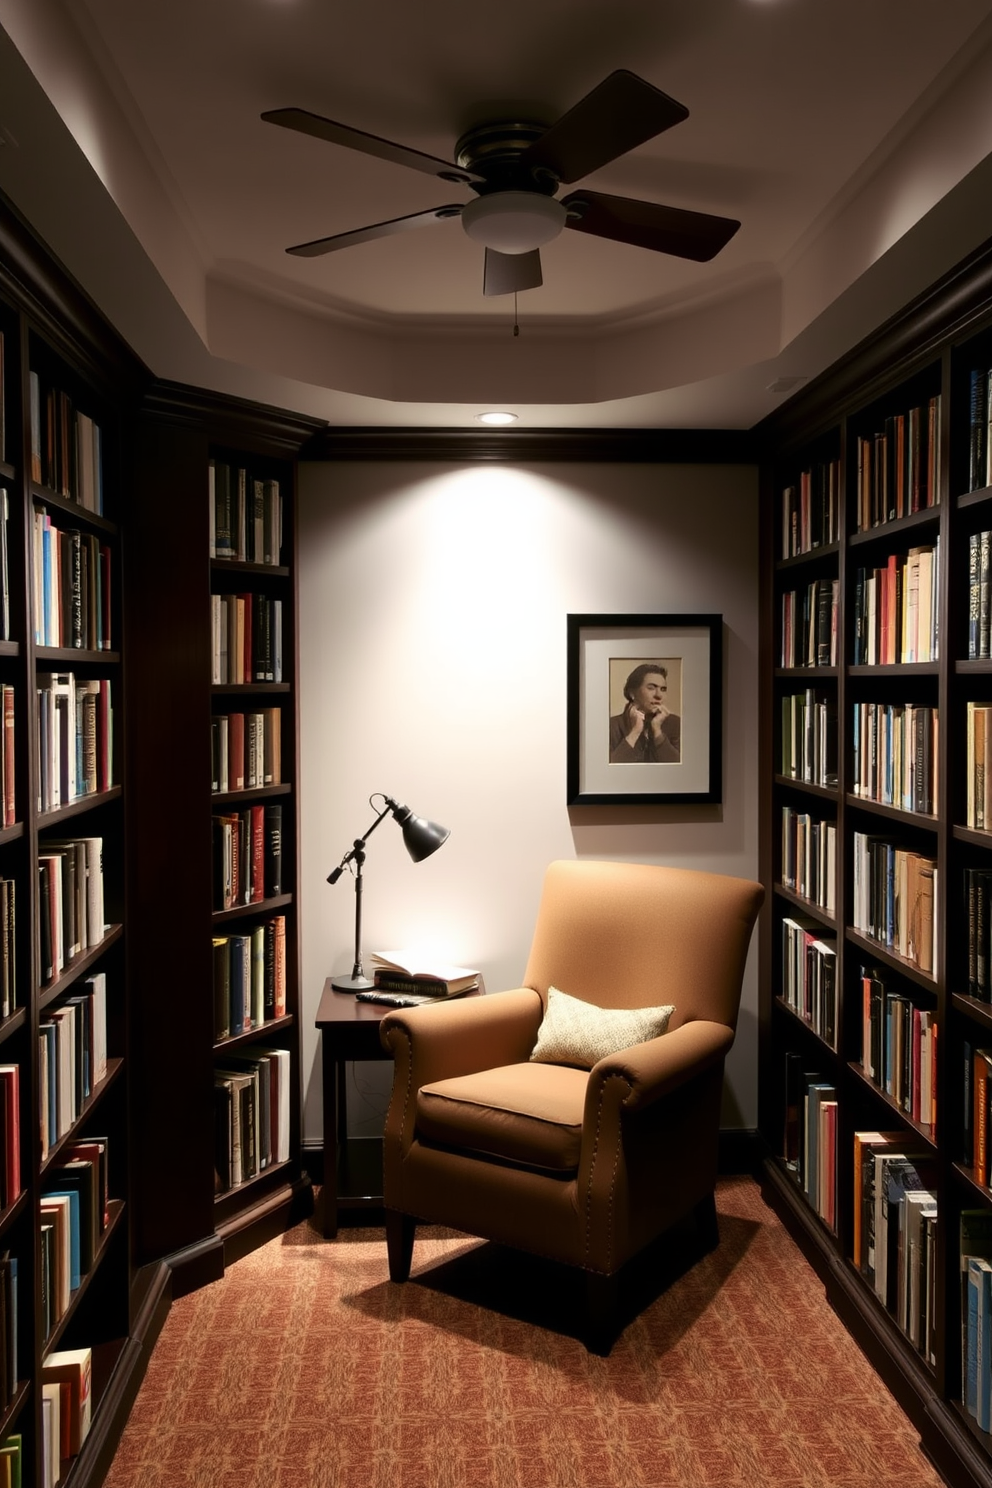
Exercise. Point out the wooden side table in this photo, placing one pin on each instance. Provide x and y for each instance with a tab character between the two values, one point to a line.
352	1170
348	1030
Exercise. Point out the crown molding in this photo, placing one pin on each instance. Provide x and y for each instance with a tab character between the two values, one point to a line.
648	446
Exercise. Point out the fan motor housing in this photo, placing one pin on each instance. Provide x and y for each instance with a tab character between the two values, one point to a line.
493	150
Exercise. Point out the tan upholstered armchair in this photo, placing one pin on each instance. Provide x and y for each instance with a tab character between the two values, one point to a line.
585	1165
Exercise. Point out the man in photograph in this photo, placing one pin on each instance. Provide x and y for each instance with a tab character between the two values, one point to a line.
646	731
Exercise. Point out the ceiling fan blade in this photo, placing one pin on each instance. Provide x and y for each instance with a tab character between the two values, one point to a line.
620	113
696	235
370	144
506	273
377	230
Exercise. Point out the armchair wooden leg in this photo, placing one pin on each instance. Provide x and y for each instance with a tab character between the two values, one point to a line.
706	1223
601	1312
400	1230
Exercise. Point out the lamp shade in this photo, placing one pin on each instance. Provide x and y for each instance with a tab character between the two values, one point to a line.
421	837
513	221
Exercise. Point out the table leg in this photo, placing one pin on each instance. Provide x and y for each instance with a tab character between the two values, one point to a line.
329	1196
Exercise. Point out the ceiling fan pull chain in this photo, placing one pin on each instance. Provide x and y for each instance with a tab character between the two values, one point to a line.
516	328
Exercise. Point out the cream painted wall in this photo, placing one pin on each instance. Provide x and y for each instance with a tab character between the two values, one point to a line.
433	603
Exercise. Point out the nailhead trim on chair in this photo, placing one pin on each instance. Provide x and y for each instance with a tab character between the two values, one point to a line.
613	1181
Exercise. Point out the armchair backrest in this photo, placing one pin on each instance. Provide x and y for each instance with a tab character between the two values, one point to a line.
637	935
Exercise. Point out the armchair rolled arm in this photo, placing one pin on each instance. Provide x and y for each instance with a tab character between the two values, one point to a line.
661	1065
463	1036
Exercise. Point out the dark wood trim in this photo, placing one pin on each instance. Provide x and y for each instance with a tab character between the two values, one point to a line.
272	1215
41	287
195	1265
740	1151
908	341
614	446
225	420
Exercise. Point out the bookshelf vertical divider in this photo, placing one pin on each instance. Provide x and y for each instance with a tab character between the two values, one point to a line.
869	1028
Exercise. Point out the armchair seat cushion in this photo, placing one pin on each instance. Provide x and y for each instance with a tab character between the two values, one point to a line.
518	1113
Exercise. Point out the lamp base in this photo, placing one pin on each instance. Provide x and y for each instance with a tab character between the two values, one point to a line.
351	984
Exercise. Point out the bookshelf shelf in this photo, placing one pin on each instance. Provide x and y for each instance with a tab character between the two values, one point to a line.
808	906
78	967
916	819
916	572
77	807
875	950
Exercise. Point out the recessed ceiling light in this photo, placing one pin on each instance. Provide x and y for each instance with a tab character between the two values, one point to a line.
496	418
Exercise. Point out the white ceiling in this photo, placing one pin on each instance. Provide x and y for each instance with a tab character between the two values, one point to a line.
852	138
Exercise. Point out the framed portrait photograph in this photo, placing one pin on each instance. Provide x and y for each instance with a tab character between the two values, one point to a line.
644	709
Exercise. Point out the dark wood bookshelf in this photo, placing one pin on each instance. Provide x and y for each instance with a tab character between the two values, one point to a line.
51	330
167	663
929	349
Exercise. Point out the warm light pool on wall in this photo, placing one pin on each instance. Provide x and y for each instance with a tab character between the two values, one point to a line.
496	419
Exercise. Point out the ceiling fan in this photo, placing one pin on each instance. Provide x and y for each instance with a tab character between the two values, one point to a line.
515	168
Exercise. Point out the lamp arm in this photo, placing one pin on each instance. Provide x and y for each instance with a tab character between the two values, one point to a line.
359	843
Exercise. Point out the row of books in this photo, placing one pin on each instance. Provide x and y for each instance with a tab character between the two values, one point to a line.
72	587
8	779
895	1231
75	738
67	1396
809	624
895	898
896	609
9	995
249	978
979	413
10	1133
9	1354
809	738
899	1047
245	515
809	975
65	446
72	1046
809	509
74	1215
898	466
247	856
809	857
978	763
810	1136
979	595
978	1121
895	755
978	907
246	750
252	1114
71	900
246	634
4	551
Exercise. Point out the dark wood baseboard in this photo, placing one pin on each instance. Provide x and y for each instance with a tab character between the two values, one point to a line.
263	1221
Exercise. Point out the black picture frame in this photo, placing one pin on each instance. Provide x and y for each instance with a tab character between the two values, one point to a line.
680	765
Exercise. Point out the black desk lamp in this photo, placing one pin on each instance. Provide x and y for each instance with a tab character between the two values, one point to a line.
421	838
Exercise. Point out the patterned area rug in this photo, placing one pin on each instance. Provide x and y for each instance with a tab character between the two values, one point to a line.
304	1367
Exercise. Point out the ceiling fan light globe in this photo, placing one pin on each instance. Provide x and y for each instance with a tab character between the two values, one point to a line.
513	221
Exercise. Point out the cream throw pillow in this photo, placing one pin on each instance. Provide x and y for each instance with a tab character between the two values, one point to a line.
577	1032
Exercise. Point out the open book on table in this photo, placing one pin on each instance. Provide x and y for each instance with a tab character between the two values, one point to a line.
413	971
